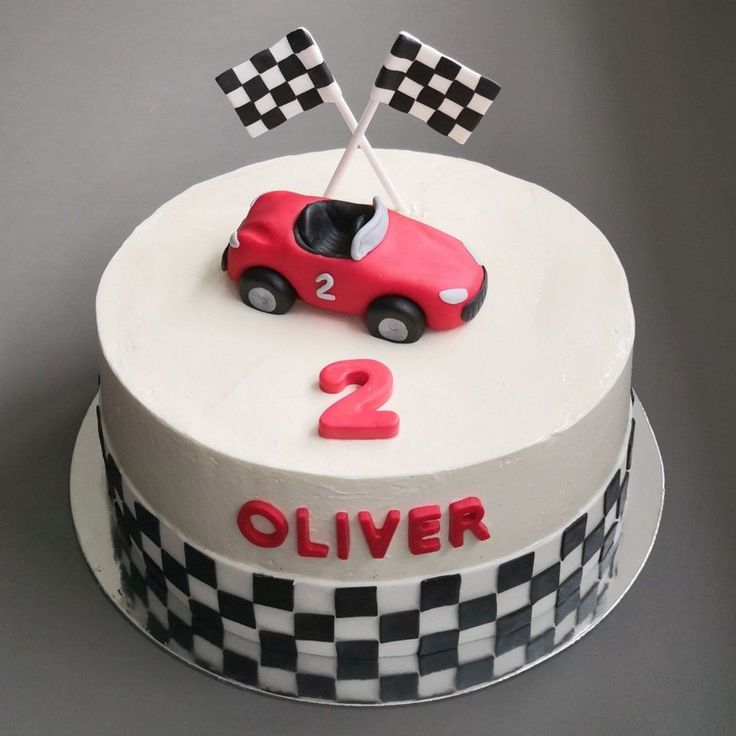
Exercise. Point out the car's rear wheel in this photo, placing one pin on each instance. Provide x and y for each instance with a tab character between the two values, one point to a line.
267	291
395	319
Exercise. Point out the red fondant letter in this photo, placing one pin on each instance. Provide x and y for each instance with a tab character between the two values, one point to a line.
342	527
356	416
466	516
304	545
378	538
424	521
268	512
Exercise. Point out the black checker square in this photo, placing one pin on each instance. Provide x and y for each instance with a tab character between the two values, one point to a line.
473	673
440	591
401	102
477	611
430	97
406	47
200	566
389	79
357	649
181	632
175	572
420	73
594	541
248	113
131	529
320	76
263	61
114	478
319	687
630	446
228	81
237	609
206	622
273	592
613	490
569	585
278	650
469	119
395	688
573	536
513	639
440	641
459	93
147	523
513	621
137	584
567	606
399	626
314	627
545	582
515	572
299	40
608	540
156	629
440	122
487	88
291	67
255	88
447	68
446	659
155	579
283	94
239	667
356	601
309	99
273	118
622	496
540	645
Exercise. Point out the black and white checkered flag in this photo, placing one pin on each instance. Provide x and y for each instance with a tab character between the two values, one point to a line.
280	82
450	97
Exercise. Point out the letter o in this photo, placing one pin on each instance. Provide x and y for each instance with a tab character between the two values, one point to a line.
271	514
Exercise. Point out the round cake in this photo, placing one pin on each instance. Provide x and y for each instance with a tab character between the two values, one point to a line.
482	524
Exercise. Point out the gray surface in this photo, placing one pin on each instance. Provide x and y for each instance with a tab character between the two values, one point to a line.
108	109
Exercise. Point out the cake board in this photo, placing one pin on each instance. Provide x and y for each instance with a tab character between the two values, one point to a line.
92	517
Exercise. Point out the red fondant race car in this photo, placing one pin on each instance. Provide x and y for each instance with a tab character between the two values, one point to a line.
399	274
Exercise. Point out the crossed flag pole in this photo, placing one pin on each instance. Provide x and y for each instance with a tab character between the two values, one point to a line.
291	77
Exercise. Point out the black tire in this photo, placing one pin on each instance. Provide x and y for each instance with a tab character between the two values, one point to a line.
267	291
395	319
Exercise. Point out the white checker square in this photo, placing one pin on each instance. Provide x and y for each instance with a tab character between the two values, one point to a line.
509	661
233	580
450	108
356	628
421	111
239	630
279	681
158	610
300	84
441	84
317	665
291	109
468	77
330	93
245	71
472	650
610	518
395	597
513	599
265	104
256	129
396	63
437	683
310	57
477	582
247	648
362	691
237	97
382	95
477	633
547	555
208	653
202	592
151	549
281	49
565	627
479	104
571	563
590	568
410	87
180	608
273	77
427	55
311	598
398	649
136	557
443	618
172	543
400	665
317	648
274	619
543	621
459	134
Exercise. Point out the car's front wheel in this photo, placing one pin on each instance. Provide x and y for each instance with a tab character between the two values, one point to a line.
267	291
395	319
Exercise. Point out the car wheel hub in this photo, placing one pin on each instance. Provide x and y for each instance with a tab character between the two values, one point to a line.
393	329
262	299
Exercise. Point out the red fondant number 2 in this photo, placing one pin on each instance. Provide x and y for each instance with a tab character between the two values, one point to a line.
356	416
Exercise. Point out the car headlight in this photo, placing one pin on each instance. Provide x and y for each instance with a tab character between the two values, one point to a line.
234	242
453	296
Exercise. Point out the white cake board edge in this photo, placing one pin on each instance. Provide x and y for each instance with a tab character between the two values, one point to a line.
91	514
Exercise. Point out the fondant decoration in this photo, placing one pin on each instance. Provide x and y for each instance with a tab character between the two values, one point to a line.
306	547
356	416
417	79
287	240
284	80
379	538
270	514
467	515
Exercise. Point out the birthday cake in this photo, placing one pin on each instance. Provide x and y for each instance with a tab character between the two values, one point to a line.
453	518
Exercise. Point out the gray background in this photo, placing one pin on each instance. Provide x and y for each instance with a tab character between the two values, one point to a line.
108	109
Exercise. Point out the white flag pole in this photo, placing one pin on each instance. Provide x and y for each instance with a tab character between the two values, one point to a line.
352	124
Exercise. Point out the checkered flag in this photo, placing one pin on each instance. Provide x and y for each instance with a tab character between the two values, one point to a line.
280	82
450	97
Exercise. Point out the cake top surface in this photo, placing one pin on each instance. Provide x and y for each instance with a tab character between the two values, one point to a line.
553	337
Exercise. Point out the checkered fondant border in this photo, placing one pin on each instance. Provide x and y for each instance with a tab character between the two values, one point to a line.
398	640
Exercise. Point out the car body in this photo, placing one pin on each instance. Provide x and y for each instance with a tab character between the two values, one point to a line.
412	261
